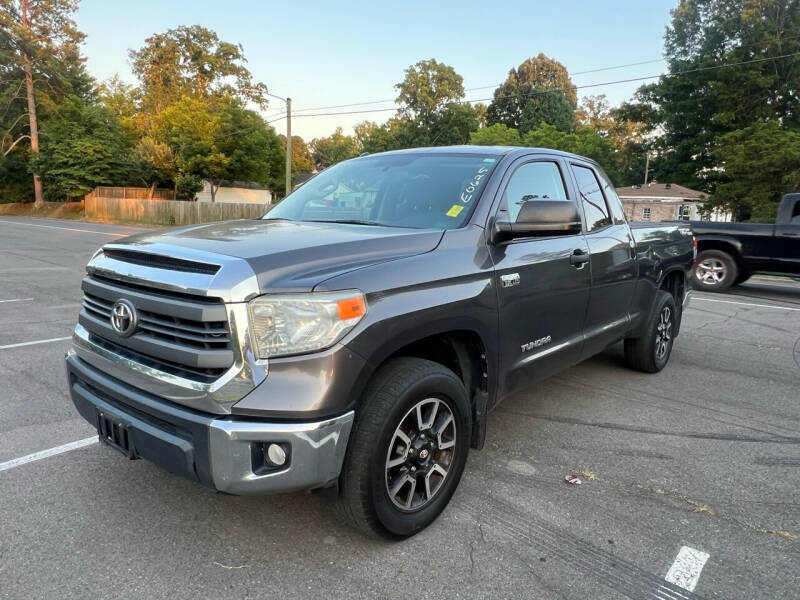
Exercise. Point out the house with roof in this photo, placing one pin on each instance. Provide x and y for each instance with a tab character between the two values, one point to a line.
666	202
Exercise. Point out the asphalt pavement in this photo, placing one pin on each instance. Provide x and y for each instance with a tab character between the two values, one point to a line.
692	470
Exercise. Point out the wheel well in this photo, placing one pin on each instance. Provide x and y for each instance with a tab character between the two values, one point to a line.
463	352
675	284
722	246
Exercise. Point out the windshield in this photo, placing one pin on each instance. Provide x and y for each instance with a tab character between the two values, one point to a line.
428	191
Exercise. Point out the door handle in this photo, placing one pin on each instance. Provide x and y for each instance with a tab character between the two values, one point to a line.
579	258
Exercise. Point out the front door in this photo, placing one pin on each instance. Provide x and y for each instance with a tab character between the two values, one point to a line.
787	240
542	290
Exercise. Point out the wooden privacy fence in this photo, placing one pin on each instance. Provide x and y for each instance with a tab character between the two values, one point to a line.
132	192
167	212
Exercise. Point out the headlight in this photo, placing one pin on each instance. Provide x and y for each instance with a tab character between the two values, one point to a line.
284	324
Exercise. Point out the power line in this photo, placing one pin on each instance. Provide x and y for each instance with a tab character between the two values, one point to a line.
482	87
553	90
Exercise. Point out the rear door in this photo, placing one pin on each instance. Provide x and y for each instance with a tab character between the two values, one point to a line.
613	259
542	295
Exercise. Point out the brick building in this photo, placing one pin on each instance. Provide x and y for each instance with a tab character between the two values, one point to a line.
666	202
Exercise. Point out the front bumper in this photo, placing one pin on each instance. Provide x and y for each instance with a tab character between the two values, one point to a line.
221	453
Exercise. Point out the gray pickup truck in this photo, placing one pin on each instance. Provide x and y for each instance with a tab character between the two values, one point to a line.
356	336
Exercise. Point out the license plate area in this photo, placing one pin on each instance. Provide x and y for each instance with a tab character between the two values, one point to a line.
116	434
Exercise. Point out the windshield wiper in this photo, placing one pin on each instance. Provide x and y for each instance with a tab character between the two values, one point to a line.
350	222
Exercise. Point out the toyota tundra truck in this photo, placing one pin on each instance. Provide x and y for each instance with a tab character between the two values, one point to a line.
357	335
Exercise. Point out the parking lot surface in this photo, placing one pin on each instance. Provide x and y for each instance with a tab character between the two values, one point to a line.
689	475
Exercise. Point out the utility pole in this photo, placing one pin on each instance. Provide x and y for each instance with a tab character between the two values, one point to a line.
646	168
288	102
288	146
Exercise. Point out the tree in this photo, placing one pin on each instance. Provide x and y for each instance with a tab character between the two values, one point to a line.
122	99
82	147
427	89
192	61
302	160
40	43
333	149
585	142
540	81
546	106
701	99
495	135
758	165
214	141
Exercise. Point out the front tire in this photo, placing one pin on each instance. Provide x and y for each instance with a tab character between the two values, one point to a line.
650	353
408	448
715	271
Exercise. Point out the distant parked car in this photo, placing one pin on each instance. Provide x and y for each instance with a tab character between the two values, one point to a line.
729	253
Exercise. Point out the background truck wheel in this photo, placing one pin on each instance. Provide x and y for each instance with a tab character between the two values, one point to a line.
408	448
650	353
715	271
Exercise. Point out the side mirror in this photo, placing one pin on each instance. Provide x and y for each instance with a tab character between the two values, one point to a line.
539	218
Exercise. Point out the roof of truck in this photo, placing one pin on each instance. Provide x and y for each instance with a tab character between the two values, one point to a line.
491	150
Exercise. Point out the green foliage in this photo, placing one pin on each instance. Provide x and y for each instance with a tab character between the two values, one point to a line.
215	140
549	107
540	88
495	135
188	186
700	102
333	149
585	142
302	160
82	147
760	164
427	90
47	44
192	61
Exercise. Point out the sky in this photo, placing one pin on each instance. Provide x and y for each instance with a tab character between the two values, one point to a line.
324	54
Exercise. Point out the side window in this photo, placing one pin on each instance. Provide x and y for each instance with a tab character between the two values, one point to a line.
532	181
613	201
594	205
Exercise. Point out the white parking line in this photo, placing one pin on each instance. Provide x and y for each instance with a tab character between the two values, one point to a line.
695	297
685	571
65	228
16	300
23	460
33	343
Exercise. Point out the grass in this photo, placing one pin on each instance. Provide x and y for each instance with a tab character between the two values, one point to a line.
49	210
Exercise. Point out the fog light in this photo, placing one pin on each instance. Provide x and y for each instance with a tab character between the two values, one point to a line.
276	455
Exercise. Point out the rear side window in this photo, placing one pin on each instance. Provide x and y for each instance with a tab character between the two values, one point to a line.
594	204
532	181
614	204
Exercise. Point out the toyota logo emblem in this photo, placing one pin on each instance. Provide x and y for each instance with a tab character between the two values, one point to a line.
123	318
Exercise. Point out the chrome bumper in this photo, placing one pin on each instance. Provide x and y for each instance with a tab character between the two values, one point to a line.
224	453
315	457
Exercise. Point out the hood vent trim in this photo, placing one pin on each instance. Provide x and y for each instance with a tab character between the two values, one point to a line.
161	262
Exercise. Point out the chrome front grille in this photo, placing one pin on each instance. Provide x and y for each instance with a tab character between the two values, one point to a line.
177	333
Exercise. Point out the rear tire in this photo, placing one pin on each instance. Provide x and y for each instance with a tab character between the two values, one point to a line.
650	353
412	426
715	271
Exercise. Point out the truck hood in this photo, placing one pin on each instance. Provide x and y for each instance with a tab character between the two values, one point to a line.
287	255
